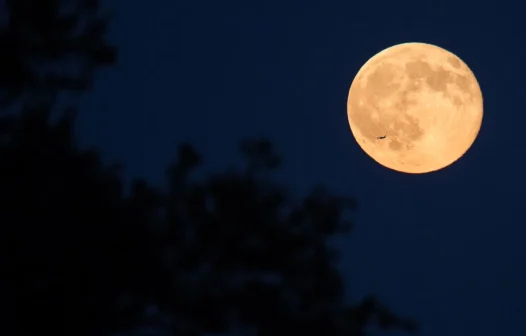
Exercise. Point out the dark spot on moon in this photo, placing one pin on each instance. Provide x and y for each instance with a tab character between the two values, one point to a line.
401	128
409	128
382	81
406	130
395	145
418	69
361	117
438	80
463	83
405	102
455	63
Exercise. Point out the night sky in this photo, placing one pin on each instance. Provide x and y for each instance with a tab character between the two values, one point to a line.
445	248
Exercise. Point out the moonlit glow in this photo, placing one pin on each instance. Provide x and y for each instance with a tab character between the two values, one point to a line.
415	108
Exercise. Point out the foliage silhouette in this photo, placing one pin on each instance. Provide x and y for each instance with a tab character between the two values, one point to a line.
264	260
231	247
82	257
50	46
62	216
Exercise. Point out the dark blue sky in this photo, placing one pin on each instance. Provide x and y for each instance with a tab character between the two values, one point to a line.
447	247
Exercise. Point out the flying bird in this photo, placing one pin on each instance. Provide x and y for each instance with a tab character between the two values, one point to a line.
381	137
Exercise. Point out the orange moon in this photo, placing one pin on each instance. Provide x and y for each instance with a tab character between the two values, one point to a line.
415	108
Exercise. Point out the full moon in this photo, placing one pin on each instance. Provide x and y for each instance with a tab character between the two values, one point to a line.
415	108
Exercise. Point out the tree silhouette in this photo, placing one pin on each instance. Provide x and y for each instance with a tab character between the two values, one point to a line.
69	240
51	46
243	251
82	257
230	249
